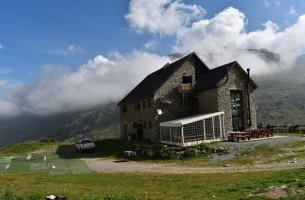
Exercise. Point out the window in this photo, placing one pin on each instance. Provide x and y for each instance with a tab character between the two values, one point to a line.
145	125
137	106
124	109
148	103
237	111
134	124
144	104
125	129
186	78
150	125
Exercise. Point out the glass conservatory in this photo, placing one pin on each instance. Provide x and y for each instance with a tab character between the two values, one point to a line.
193	130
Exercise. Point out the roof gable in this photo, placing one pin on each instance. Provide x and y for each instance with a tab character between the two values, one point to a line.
149	85
212	78
209	78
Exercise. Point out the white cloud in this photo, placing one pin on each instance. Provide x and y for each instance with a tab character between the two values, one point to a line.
99	81
70	50
103	79
1	46
3	83
151	45
162	17
219	36
267	3
292	12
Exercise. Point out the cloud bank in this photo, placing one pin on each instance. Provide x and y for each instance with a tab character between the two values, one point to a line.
104	79
99	81
219	39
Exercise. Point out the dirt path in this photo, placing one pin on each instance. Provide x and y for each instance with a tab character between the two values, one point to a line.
113	166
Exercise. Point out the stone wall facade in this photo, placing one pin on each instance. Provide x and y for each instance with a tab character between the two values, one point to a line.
237	81
139	116
209	101
173	110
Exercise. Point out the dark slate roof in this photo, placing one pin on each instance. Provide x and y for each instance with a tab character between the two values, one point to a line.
211	79
153	81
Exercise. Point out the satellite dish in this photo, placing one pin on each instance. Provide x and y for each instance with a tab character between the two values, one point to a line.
159	112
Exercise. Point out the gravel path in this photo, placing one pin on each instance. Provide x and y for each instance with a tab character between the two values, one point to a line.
113	166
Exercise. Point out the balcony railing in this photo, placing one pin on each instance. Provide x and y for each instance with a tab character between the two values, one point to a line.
185	88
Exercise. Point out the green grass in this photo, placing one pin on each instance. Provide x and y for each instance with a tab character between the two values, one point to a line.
289	134
154	186
43	163
24	148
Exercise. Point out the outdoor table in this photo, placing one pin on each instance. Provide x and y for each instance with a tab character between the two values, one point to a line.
238	135
129	154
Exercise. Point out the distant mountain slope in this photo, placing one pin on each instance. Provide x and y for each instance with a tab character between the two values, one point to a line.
280	97
95	123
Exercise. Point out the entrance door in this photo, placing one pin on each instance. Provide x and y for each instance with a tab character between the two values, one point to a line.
237	111
140	131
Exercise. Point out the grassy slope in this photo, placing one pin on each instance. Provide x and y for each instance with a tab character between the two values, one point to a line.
24	148
280	100
154	186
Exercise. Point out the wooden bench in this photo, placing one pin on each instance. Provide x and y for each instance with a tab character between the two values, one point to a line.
239	135
261	133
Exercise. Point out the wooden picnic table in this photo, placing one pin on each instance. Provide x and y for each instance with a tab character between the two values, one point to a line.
261	133
239	135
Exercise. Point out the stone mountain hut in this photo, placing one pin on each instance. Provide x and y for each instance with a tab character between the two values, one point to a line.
186	103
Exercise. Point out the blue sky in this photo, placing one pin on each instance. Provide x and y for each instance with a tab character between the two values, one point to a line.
37	35
36	32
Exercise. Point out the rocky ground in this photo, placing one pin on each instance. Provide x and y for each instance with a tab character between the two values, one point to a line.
246	146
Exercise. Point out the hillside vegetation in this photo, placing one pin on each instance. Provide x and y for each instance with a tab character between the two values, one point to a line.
280	96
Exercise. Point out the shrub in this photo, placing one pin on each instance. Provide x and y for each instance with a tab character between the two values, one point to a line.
190	152
48	140
204	149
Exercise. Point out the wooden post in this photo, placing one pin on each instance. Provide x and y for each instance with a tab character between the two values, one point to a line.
220	120
182	135
213	127
204	132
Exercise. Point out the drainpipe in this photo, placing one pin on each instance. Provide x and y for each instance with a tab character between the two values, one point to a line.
249	106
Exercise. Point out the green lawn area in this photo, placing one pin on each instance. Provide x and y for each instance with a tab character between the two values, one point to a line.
24	148
50	163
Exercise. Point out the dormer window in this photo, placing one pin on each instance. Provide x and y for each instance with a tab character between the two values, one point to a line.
186	78
186	85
